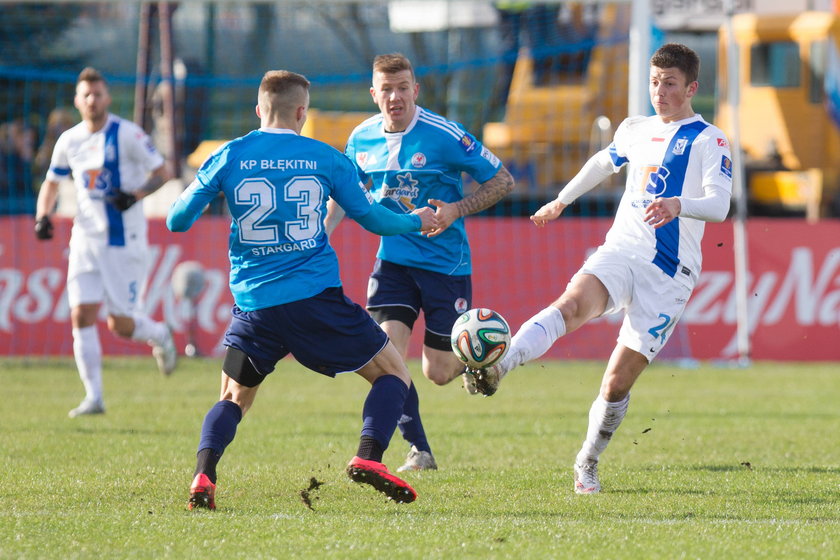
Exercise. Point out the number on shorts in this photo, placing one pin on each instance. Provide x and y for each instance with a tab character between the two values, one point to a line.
660	331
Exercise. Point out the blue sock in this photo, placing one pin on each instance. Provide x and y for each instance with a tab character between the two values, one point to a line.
383	408
219	426
410	424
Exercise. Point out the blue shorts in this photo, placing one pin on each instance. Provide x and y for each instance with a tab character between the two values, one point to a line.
407	290
327	333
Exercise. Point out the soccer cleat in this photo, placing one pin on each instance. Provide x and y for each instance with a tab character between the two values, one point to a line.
586	478
418	461
378	476
165	354
487	379
469	382
202	493
87	406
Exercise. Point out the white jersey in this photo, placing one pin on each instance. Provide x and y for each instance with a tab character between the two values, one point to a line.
119	156
665	160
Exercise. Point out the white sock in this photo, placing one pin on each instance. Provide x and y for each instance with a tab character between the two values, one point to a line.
88	354
535	337
149	331
604	419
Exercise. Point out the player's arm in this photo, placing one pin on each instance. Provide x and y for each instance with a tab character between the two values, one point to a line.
122	200
486	195
383	221
47	197
335	214
188	206
594	171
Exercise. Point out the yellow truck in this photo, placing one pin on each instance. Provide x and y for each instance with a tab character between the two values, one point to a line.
789	79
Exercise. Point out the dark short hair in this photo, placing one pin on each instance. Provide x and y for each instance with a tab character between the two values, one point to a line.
676	55
91	75
279	82
392	63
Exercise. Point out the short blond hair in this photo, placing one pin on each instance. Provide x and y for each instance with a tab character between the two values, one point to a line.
282	91
392	63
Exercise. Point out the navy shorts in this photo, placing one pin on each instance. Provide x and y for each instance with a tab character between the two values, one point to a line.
442	298
327	333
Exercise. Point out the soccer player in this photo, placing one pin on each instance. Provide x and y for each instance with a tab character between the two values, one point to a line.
114	166
285	280
679	176
411	158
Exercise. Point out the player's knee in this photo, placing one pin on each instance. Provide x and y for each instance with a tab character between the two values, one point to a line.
438	376
121	326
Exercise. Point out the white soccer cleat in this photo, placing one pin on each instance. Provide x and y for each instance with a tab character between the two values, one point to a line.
87	406
586	478
469	382
165	354
487	379
418	461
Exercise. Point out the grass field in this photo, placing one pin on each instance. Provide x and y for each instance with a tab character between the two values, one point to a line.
709	463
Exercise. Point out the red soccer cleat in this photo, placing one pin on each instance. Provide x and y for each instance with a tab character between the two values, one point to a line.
202	493
378	476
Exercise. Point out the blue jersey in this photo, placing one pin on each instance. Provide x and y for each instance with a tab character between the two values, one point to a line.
410	167
276	184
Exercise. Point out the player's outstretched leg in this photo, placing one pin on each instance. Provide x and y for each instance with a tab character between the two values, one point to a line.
165	353
410	424
532	340
377	475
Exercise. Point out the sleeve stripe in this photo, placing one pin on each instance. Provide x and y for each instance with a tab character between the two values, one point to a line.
443	124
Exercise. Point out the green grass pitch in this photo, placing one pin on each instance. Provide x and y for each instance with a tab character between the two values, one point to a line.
709	463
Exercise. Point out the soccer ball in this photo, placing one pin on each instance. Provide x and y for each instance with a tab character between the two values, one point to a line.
480	338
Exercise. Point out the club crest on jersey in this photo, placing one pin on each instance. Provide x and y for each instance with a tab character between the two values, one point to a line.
722	142
679	146
655	179
726	166
418	160
467	143
362	159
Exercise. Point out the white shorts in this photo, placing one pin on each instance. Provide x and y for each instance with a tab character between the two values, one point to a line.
100	273
652	301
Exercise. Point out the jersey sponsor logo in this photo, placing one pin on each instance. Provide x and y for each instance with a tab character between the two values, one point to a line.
679	146
97	181
467	142
655	179
284	248
490	156
460	305
418	159
726	166
722	142
403	194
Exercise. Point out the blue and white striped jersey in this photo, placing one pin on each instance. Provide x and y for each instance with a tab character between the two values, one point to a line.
410	167
665	160
118	156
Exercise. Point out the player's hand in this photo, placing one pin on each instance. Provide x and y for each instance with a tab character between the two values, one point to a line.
446	213
427	218
121	200
662	211
43	228
548	212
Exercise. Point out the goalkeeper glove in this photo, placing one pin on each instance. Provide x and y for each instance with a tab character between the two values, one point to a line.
43	228
122	201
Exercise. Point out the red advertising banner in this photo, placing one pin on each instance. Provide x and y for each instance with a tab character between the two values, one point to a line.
518	269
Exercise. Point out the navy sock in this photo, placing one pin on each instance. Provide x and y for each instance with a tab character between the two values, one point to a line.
410	424
383	408
217	432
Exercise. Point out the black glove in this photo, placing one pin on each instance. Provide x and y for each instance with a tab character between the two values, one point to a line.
122	201
43	228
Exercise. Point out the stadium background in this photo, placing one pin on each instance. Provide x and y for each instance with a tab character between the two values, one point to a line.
221	50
